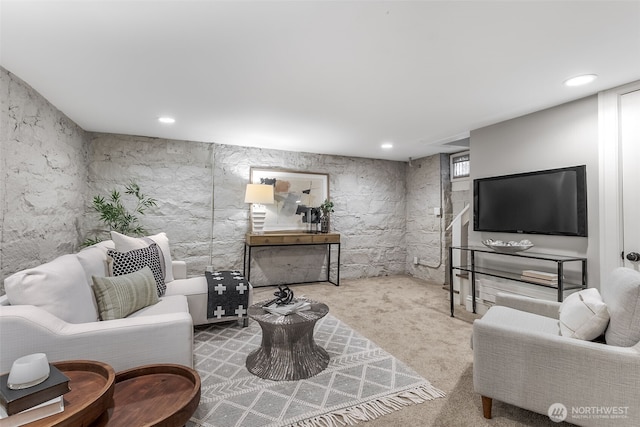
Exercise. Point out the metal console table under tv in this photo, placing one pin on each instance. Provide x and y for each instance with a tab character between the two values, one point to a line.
473	269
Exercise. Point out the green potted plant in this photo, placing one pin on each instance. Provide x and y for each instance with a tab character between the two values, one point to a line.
116	217
326	208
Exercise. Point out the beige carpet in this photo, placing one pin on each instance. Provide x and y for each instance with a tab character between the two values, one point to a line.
410	319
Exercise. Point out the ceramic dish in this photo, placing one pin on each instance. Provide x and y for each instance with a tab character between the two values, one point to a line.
509	247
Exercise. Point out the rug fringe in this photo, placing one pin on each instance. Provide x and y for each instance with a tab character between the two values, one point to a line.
373	409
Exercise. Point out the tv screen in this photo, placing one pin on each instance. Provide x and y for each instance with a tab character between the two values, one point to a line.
550	202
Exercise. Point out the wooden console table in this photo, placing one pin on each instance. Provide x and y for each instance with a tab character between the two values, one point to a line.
291	239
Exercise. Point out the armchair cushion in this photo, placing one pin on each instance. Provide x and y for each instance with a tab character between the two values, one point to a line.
120	296
59	287
622	295
125	244
132	261
583	315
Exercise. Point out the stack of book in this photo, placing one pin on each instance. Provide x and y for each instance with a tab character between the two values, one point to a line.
541	277
286	309
19	407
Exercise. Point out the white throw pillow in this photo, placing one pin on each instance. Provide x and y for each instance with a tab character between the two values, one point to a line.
583	315
94	261
59	287
125	244
621	291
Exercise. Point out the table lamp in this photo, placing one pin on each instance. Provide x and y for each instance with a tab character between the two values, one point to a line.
258	195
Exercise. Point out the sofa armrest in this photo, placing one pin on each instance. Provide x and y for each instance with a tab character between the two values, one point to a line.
533	370
179	269
122	343
528	304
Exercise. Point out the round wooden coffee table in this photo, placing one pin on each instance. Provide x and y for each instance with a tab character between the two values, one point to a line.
92	386
288	350
153	395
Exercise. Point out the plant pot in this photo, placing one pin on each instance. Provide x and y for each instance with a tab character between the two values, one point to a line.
324	224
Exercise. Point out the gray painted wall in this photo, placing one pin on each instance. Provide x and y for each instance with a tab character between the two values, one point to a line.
566	135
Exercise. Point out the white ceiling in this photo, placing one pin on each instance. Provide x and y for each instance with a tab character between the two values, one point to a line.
334	77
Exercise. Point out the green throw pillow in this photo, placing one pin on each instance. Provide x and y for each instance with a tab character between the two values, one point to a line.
119	296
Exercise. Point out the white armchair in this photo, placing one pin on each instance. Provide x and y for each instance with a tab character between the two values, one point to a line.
520	358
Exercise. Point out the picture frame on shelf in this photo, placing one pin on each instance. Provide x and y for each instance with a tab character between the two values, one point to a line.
295	194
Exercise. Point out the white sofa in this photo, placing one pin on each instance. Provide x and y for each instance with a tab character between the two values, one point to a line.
62	317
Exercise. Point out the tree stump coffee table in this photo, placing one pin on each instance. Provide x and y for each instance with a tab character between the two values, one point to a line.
288	350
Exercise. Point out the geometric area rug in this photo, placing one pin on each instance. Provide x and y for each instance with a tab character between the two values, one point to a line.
361	382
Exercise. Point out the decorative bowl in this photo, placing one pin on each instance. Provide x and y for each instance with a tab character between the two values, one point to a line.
508	247
28	371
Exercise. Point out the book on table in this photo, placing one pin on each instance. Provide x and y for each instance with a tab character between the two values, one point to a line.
543	275
553	282
45	409
14	401
286	309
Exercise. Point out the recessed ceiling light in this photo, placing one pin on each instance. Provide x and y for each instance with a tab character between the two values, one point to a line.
166	120
580	80
387	145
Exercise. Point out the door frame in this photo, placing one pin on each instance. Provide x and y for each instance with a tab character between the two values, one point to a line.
610	177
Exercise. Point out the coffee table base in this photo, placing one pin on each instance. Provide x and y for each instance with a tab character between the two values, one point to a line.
288	352
281	366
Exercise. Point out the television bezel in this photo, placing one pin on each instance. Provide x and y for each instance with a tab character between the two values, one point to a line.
581	188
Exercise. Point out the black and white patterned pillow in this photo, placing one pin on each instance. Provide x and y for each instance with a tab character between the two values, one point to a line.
132	261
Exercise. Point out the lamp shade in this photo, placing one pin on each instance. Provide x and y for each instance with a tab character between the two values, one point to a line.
261	194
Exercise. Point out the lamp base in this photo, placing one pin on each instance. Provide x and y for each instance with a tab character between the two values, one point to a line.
258	216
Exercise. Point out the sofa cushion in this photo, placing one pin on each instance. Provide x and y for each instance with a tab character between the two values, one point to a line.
125	243
583	315
132	261
120	296
166	305
621	292
94	261
506	317
59	287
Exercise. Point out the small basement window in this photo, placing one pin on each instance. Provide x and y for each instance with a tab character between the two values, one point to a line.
460	166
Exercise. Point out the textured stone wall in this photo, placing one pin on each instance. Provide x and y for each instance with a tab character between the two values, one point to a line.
369	197
175	173
43	172
51	169
428	187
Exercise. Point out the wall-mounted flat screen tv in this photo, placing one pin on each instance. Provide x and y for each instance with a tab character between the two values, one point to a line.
550	202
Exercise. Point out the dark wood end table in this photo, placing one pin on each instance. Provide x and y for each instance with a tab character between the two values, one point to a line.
92	387
153	395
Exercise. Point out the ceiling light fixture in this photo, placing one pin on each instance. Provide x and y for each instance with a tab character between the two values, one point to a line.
167	120
387	145
580	80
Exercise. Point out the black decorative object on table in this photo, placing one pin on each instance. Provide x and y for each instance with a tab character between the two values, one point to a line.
283	296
